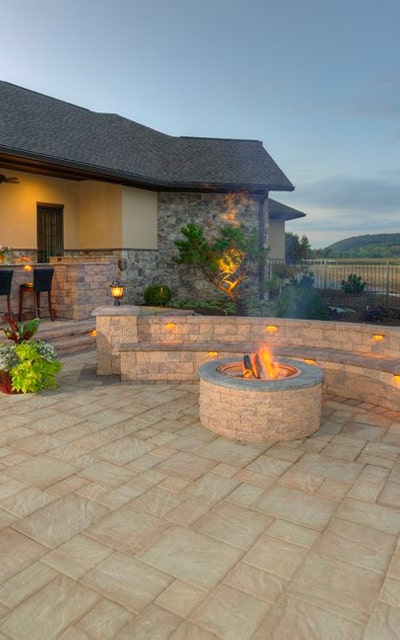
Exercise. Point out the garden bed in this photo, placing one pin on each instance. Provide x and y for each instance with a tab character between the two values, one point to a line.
363	307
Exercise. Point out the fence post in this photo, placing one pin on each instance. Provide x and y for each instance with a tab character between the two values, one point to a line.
387	284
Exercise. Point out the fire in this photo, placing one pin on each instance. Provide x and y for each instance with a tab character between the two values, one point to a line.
260	365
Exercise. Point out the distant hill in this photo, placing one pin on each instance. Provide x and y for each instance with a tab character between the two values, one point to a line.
380	245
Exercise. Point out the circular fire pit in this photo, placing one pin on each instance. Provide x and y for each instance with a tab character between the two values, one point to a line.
253	410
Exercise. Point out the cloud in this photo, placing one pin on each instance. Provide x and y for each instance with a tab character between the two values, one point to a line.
339	207
344	194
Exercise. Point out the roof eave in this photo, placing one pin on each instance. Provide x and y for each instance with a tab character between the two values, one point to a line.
17	159
285	217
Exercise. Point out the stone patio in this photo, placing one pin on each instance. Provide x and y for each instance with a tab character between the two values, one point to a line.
123	518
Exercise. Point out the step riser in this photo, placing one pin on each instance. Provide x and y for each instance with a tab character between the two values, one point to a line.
66	341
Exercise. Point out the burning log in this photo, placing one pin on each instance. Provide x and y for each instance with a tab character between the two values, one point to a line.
252	367
256	366
247	370
260	365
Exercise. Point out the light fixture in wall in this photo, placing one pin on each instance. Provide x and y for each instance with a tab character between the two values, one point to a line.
213	354
11	179
271	328
396	379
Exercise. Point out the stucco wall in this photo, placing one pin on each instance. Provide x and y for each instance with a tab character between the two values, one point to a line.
139	219
276	240
96	215
18	206
100	224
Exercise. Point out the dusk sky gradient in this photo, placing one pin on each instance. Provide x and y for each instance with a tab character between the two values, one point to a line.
318	81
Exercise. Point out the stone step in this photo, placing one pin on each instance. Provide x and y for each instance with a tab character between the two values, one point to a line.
73	344
66	336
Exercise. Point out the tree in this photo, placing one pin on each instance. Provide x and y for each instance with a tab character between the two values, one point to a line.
225	261
305	248
296	249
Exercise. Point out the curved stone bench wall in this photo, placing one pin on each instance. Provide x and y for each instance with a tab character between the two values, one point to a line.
359	361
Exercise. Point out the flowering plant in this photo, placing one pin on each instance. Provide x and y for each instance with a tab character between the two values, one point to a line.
4	252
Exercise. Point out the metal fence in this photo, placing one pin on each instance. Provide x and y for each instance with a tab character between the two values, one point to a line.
382	279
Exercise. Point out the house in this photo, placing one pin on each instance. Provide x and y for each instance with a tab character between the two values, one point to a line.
74	182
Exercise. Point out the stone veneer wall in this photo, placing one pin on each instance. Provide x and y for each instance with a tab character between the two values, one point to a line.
78	287
211	211
140	268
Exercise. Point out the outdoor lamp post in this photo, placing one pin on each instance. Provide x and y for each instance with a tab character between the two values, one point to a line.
117	291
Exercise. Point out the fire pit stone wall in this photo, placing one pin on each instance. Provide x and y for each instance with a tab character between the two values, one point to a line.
260	410
359	361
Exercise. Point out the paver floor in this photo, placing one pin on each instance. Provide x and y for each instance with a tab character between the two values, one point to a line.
122	518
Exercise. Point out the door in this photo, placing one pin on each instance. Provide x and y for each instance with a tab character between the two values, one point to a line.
50	231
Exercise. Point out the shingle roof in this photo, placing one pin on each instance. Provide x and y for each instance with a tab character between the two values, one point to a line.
279	211
43	129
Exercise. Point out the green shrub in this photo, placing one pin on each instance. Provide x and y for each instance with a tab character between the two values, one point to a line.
36	369
157	295
300	302
218	306
27	366
31	365
353	284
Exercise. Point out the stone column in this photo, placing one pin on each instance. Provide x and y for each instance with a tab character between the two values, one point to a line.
114	325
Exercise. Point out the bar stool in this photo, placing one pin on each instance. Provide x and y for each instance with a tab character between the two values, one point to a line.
42	279
6	276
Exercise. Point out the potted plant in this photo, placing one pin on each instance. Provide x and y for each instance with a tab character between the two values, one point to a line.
27	366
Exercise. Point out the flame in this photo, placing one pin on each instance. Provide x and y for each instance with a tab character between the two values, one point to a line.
260	365
271	367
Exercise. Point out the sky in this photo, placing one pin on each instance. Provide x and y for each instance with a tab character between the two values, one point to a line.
317	81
